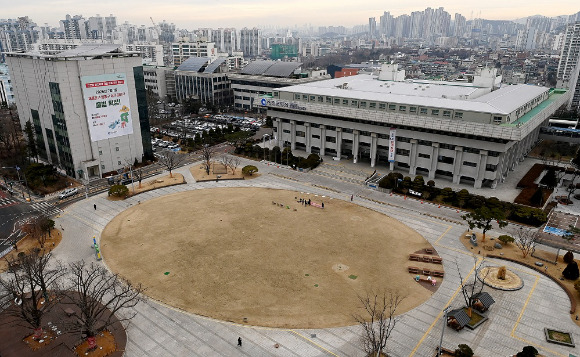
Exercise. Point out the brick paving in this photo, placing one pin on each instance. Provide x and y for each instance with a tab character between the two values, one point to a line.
516	320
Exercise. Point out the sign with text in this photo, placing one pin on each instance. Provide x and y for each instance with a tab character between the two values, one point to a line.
107	105
392	139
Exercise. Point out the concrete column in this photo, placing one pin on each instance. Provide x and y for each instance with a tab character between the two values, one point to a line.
279	132
373	149
322	140
457	161
481	168
434	156
292	135
308	138
355	143
391	165
338	141
413	157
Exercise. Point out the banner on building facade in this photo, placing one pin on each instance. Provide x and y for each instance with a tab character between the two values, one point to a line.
107	105
392	139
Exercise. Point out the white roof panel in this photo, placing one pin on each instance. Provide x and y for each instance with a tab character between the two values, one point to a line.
428	94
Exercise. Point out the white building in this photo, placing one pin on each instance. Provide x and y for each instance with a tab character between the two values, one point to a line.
151	53
569	66
87	107
181	51
471	133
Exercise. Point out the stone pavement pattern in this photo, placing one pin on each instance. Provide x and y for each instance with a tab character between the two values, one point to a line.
516	320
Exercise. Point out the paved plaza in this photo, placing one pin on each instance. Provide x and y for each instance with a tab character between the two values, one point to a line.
516	320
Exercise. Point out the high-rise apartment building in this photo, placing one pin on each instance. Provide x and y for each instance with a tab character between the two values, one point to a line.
569	66
17	35
250	40
87	106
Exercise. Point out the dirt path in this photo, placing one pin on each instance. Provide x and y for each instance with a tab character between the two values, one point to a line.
231	253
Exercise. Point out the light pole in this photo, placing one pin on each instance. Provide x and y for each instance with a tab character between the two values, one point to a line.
17	168
264	144
443	329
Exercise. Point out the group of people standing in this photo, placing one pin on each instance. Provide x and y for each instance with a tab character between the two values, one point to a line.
308	202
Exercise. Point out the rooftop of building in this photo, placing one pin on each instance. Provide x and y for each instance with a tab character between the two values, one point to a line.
85	51
438	94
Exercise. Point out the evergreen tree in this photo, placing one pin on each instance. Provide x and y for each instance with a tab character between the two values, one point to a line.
31	145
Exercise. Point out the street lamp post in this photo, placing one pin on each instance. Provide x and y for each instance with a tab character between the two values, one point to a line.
264	144
443	330
17	168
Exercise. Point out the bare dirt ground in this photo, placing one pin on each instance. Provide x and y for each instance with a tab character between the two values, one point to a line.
199	174
165	181
29	243
231	253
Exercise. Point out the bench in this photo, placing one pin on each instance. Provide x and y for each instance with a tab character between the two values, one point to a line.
437	260
428	251
437	273
426	271
414	270
427	259
415	257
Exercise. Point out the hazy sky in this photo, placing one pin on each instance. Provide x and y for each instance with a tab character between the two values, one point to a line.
192	14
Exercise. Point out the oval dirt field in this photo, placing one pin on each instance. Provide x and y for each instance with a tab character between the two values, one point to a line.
254	253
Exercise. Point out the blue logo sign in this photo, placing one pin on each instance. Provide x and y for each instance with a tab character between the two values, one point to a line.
263	101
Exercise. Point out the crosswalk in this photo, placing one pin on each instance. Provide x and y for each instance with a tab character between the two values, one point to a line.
6	201
46	208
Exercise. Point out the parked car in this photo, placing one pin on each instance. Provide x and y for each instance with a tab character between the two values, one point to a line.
68	193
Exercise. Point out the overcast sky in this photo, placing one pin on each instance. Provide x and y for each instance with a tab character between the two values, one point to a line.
191	14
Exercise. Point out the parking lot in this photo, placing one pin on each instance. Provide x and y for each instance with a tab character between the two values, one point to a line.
188	128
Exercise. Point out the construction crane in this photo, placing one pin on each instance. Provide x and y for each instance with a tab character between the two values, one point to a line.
156	27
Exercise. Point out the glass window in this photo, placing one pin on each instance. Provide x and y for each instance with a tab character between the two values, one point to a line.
304	97
354	103
446	114
435	112
392	107
497	120
382	106
297	96
329	100
372	105
363	104
336	101
458	115
412	109
320	99
312	98
402	108
423	111
345	102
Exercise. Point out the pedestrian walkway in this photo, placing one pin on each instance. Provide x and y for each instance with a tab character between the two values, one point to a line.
7	201
516	320
46	208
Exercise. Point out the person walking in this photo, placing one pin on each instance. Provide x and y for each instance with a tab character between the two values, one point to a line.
95	206
351	197
240	341
322	204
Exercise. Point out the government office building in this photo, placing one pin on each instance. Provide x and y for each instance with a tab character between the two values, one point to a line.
87	106
470	133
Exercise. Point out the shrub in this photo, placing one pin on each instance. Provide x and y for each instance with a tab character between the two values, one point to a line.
505	239
568	257
528	351
463	350
119	191
249	170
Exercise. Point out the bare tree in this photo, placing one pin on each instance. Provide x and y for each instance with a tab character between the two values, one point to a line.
234	163
100	295
207	154
39	228
170	160
473	287
525	240
34	286
378	319
138	175
225	160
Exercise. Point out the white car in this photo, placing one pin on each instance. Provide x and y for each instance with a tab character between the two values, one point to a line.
67	193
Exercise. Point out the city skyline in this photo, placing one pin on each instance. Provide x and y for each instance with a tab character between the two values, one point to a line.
260	13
